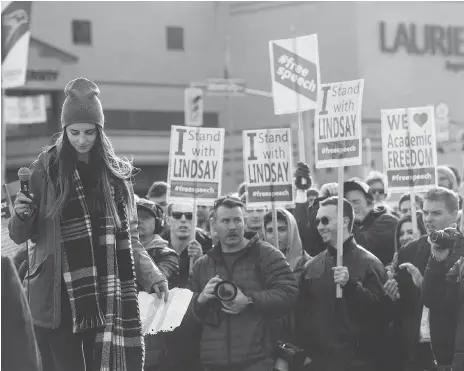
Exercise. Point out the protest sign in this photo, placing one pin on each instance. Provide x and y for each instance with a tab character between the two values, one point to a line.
338	138
268	157
295	74
409	149
337	124
195	164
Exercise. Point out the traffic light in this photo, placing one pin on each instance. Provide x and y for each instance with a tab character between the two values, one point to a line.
193	107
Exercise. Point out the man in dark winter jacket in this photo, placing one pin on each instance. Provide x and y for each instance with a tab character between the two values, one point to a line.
236	334
412	317
443	293
341	334
374	228
178	350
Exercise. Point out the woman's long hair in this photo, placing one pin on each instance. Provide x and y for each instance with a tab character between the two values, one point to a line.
408	218
106	164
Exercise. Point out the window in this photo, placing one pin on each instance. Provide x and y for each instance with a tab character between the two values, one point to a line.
175	38
82	32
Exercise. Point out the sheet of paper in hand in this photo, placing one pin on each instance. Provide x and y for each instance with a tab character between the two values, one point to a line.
156	315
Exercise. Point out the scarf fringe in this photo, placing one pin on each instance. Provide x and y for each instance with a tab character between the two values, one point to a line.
87	323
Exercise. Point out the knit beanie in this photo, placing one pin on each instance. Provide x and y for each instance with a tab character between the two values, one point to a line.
446	171
82	103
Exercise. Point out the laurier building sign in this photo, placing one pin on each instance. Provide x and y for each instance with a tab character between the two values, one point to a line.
425	40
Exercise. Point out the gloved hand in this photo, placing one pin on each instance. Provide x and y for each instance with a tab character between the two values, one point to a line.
302	172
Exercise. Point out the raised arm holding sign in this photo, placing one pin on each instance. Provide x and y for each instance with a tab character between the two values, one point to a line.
338	139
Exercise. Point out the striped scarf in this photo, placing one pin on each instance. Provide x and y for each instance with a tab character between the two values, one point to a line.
100	281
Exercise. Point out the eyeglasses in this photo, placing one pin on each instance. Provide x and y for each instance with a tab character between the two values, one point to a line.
178	215
324	220
379	191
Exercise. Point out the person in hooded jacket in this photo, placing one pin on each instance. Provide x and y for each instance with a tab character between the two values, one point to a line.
374	228
289	243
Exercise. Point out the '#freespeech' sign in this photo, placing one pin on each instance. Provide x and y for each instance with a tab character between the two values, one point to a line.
409	148
295	74
267	160
337	124
195	164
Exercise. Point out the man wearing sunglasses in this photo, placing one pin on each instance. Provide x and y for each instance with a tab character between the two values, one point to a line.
375	226
179	349
341	334
180	220
305	212
236	334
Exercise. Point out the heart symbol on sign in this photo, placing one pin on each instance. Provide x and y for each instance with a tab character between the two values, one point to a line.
421	119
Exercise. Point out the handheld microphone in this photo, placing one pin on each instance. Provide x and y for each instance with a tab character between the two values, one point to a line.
24	174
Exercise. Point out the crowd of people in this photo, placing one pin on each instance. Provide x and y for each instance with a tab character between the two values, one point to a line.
96	244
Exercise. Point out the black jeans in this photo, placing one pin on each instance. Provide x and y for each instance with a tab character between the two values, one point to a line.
61	349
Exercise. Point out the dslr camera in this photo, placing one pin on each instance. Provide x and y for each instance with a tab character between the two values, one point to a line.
448	238
293	357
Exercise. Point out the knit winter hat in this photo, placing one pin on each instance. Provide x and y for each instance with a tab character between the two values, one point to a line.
446	171
82	103
358	185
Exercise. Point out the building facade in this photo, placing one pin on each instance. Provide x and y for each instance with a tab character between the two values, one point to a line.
143	55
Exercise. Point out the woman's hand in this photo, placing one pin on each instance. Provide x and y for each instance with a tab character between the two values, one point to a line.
23	205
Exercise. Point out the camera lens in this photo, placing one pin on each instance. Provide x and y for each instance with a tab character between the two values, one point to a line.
434	236
226	291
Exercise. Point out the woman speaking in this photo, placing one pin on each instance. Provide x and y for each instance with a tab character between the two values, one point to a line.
82	215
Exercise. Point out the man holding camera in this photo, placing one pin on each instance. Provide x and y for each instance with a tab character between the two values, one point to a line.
239	286
413	332
443	293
